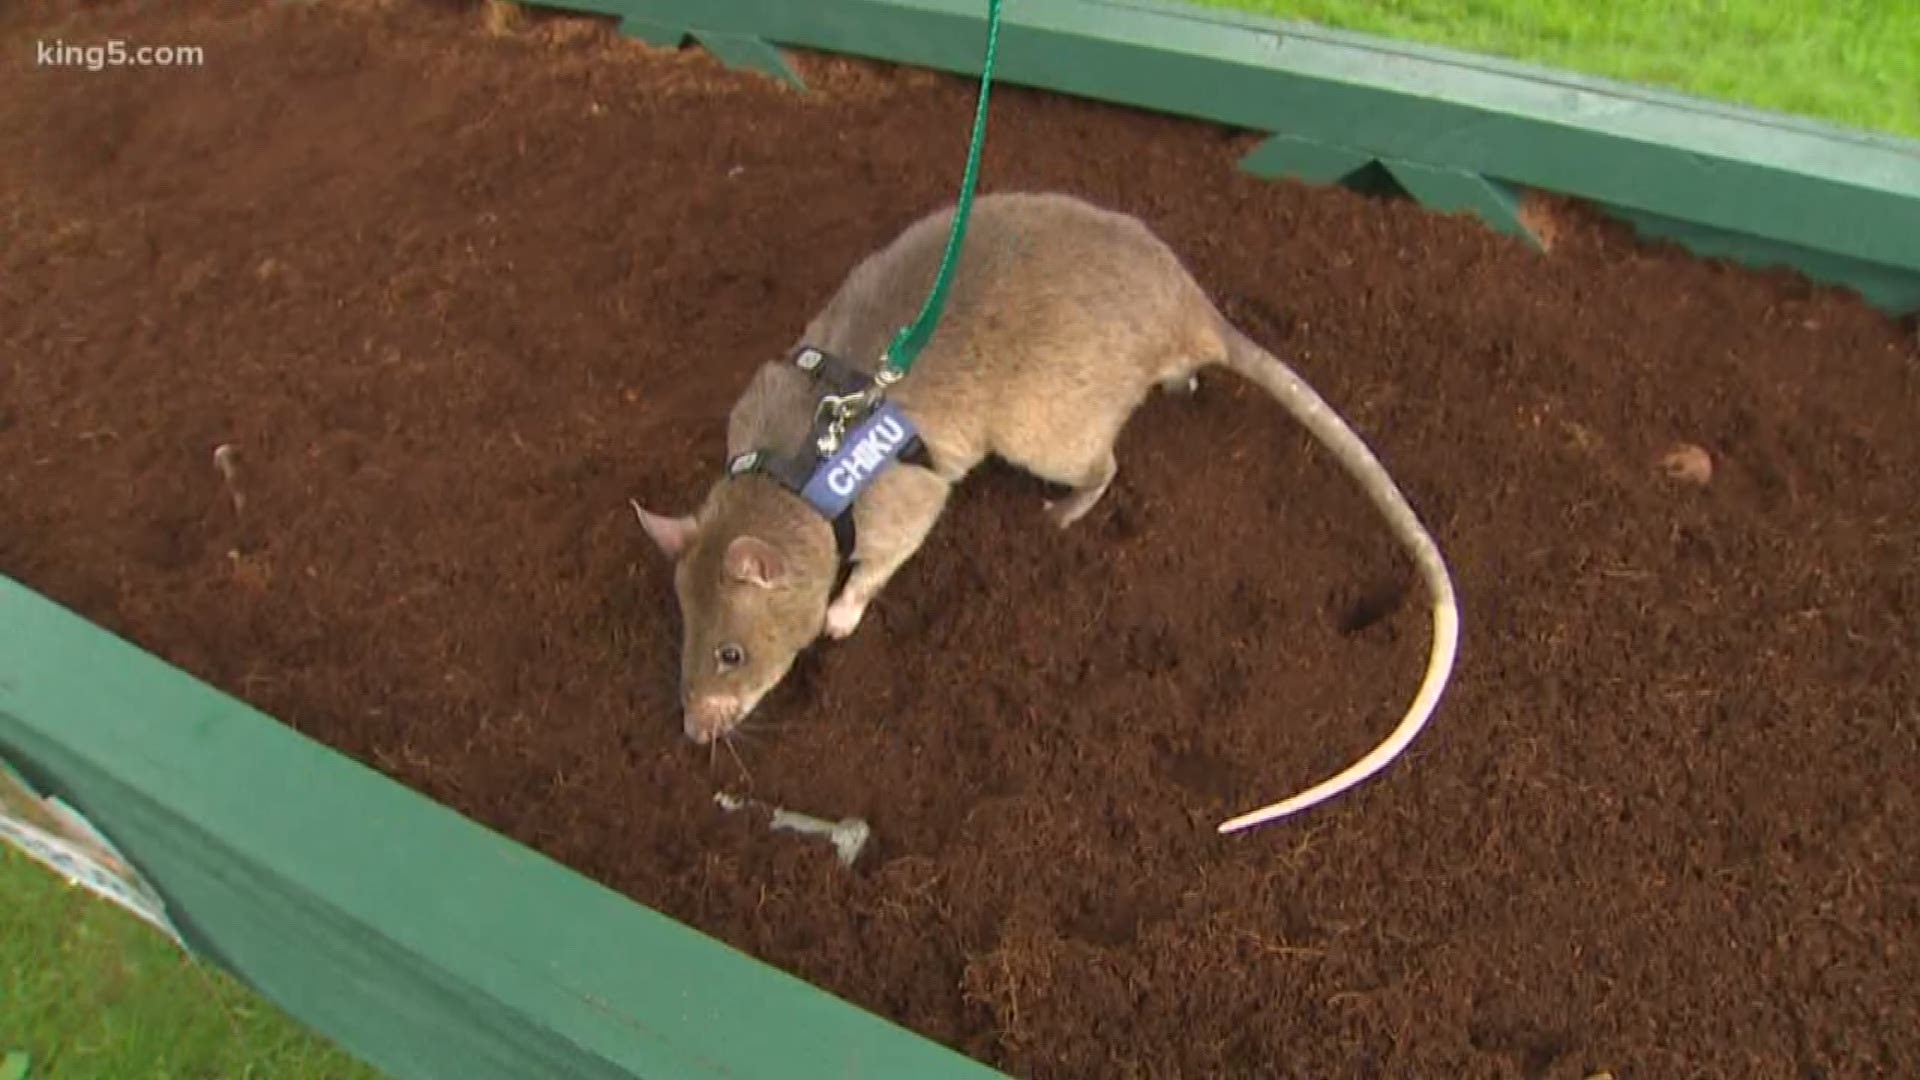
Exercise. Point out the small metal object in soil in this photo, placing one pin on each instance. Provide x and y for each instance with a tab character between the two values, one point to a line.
849	835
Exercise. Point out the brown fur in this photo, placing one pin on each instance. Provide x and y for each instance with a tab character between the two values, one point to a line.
1060	320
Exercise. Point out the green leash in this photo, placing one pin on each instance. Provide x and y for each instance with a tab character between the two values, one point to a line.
837	411
907	344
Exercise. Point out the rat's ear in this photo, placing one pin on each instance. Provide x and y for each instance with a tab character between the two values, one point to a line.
753	561
672	534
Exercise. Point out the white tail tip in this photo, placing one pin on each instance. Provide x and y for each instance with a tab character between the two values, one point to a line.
1446	642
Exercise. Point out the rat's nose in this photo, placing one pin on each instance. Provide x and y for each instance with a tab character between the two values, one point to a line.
711	716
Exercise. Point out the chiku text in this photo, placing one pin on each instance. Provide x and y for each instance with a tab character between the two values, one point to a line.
866	456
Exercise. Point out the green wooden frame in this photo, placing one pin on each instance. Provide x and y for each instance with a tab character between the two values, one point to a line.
1456	131
422	942
303	871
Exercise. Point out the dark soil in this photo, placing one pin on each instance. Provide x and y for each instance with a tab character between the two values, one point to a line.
455	296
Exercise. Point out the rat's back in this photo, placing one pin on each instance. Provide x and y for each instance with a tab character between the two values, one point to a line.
1036	270
1060	314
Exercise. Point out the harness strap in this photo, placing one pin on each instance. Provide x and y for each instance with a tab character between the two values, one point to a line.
793	473
839	376
831	485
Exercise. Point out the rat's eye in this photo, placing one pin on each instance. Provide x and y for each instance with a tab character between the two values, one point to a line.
730	656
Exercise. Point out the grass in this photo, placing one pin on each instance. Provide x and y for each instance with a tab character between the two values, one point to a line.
89	992
1852	62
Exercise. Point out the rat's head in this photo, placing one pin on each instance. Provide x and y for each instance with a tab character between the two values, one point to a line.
751	598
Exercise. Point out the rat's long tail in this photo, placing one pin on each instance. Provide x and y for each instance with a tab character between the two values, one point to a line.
1246	357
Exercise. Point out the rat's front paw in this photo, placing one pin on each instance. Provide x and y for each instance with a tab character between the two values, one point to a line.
842	617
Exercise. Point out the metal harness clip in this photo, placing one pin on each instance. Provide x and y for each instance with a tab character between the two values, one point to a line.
839	410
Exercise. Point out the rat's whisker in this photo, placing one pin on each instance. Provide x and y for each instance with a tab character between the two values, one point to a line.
728	739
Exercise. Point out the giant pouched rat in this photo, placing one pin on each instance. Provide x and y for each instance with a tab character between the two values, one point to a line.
1061	318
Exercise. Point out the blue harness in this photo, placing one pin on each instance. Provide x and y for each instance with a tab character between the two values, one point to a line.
835	467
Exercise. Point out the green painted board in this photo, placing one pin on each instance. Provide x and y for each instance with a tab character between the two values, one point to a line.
419	940
1850	198
1882	286
1305	160
749	53
1453	191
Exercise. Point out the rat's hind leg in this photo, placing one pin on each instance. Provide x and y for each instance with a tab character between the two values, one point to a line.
891	522
1086	491
1059	454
